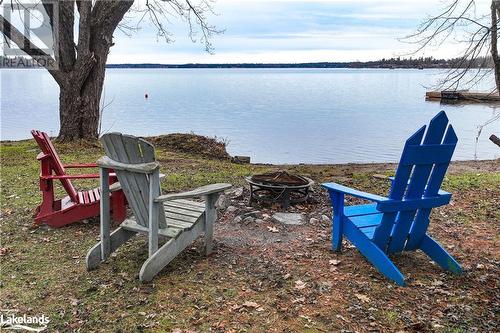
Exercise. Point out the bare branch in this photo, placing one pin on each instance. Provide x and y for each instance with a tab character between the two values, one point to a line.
478	32
160	13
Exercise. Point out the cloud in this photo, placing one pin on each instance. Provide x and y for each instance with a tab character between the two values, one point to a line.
290	31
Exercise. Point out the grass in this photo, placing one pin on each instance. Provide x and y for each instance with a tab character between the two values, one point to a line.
43	269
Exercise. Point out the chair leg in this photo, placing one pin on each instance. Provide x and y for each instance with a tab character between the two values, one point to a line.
439	255
117	238
210	217
165	254
373	253
337	221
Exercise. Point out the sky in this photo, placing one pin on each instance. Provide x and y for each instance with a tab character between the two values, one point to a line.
291	31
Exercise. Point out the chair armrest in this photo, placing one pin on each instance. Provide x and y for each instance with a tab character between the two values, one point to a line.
352	192
106	162
84	176
78	165
200	191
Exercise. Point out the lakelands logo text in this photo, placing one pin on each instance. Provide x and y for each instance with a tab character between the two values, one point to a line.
23	322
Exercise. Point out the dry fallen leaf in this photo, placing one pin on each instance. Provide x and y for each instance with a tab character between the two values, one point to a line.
250	304
4	251
437	283
300	285
362	298
299	300
272	229
334	262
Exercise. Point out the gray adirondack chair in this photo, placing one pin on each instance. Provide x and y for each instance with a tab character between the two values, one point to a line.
169	216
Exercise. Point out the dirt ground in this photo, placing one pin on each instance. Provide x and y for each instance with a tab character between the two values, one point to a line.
263	276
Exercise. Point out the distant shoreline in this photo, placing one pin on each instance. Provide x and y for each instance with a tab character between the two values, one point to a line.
317	65
392	63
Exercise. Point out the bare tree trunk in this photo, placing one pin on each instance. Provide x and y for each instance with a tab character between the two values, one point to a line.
79	103
81	90
494	41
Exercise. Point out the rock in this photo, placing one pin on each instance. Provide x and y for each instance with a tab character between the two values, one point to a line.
221	202
258	221
231	209
236	193
313	220
248	220
379	176
240	159
325	218
289	218
237	219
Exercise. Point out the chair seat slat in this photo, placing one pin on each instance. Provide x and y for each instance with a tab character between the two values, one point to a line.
190	202
180	211
97	194
366	220
180	217
361	210
169	232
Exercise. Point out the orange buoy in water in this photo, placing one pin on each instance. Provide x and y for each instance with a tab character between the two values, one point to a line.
146	95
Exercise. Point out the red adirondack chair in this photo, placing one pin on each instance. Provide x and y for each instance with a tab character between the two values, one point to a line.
77	205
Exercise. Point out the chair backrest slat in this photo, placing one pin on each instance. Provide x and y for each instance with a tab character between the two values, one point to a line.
418	180
421	222
403	172
131	150
46	146
420	173
428	154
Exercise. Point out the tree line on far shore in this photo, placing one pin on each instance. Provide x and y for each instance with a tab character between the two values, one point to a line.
396	62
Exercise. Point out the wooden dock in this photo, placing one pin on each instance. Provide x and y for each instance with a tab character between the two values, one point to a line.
458	95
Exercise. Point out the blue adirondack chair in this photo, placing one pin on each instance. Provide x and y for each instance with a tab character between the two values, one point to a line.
399	222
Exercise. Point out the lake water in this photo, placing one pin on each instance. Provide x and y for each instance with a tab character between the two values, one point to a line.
272	115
